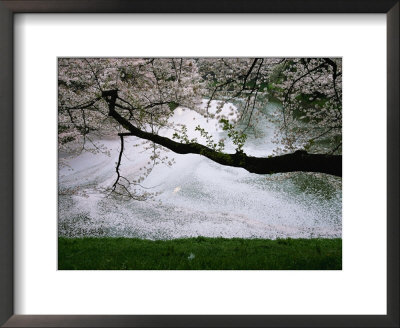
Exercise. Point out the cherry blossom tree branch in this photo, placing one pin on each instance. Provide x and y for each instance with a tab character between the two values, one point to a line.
297	161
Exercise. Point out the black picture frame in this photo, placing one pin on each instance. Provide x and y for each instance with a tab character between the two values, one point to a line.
10	7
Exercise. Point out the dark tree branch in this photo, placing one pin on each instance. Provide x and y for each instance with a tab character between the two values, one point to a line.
301	77
297	161
336	148
249	72
335	75
246	77
94	74
119	163
84	105
251	93
219	86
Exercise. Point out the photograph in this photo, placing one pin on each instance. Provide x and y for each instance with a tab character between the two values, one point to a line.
208	163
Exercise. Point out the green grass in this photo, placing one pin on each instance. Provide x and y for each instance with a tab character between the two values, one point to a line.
199	254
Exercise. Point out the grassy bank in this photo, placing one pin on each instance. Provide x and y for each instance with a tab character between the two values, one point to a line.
199	254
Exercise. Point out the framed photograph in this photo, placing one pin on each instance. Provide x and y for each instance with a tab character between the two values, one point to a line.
183	165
